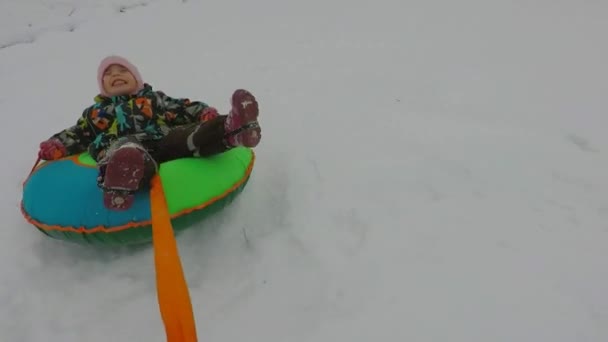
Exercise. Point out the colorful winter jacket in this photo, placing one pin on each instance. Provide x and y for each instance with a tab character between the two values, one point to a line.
147	115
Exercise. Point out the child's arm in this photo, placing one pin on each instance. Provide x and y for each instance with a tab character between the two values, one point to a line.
183	111
76	138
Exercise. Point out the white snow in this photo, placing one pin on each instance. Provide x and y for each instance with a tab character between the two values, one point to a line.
429	170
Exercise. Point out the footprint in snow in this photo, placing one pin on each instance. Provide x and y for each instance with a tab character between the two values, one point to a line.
580	142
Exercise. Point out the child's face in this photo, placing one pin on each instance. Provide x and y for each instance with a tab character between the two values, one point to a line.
118	80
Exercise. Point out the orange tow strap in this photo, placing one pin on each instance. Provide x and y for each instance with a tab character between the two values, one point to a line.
172	289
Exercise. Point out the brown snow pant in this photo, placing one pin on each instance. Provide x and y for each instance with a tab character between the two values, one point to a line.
194	140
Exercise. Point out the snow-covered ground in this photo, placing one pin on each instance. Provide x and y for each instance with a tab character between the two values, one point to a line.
430	170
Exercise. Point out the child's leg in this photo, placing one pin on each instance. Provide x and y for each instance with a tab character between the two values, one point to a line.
238	128
125	168
195	140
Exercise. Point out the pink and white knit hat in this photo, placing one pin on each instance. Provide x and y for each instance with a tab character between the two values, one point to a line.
106	62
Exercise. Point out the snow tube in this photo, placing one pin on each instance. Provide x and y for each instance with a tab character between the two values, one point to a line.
61	197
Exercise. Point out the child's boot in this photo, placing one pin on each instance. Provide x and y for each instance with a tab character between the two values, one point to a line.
241	125
123	175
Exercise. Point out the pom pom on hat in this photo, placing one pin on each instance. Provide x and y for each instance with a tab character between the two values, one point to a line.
106	62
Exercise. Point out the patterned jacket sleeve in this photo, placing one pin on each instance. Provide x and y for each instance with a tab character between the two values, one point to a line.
181	111
77	138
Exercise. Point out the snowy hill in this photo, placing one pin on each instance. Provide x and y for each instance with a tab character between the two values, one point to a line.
429	171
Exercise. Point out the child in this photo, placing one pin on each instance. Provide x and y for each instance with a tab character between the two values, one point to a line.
131	129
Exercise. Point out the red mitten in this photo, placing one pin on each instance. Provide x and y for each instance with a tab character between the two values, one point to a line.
51	149
208	114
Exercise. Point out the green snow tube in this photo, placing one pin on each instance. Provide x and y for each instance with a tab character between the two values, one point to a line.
61	197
